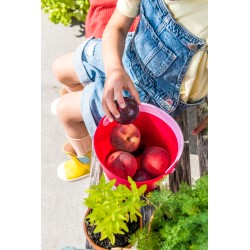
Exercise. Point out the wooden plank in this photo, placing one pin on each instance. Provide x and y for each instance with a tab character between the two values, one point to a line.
146	212
96	170
182	172
202	139
95	175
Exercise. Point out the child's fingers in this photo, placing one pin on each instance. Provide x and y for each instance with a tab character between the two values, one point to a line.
109	106
119	98
203	124
134	93
106	111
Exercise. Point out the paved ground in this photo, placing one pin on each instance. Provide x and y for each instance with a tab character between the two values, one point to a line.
62	209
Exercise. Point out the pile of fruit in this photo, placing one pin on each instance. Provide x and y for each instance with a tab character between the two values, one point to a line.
131	155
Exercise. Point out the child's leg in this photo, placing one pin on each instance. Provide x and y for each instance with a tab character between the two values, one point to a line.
80	143
69	113
64	72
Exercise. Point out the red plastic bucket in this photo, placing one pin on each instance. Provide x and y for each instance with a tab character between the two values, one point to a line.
157	128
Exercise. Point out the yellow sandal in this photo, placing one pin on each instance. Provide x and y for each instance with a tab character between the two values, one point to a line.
76	168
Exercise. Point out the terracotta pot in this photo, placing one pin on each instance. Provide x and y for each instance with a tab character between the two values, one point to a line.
92	243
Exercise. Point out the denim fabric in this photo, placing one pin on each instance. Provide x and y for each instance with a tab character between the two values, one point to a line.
90	62
156	58
159	54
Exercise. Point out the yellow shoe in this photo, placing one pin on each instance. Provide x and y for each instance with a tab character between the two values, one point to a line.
76	168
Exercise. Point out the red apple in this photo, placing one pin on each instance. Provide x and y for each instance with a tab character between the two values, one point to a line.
125	137
129	113
122	164
155	160
142	175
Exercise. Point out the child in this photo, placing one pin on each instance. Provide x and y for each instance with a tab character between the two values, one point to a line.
164	62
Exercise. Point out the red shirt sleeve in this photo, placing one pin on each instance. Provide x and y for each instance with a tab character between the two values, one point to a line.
98	16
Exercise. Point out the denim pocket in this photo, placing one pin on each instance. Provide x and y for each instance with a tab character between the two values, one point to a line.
153	55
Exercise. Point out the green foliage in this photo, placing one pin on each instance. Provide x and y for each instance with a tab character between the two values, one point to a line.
180	220
62	11
113	208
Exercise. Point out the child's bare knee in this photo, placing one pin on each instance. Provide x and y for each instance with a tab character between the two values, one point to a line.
63	70
58	70
62	110
65	110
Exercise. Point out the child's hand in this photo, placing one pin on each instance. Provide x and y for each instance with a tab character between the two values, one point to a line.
117	81
201	126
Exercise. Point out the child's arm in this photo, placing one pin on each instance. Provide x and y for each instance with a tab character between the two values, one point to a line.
116	77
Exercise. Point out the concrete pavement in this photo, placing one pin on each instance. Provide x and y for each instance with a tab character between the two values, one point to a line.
62	209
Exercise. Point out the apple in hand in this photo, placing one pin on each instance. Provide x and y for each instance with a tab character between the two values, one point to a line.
129	113
155	160
125	137
122	164
142	175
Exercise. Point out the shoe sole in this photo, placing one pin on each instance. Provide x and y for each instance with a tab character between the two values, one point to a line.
54	105
61	174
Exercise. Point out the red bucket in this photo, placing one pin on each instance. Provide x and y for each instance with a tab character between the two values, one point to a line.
157	128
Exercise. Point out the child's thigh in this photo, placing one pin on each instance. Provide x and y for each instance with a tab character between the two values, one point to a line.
64	71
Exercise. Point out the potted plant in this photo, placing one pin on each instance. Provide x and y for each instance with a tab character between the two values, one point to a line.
64	11
180	220
113	214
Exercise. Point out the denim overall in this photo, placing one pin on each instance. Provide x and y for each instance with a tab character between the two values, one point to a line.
156	58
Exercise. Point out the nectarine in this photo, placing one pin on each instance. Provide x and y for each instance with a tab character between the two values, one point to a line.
129	113
142	175
125	137
155	160
122	164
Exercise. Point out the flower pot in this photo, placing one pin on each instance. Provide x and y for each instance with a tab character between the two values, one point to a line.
93	244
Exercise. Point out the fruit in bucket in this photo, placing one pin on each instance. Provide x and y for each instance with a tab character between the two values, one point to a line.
122	164
139	150
125	137
142	175
155	160
129	113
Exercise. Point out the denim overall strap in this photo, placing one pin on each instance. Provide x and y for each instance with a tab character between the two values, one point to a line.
158	55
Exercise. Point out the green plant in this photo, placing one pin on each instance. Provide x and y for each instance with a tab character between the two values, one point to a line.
111	208
180	220
62	11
